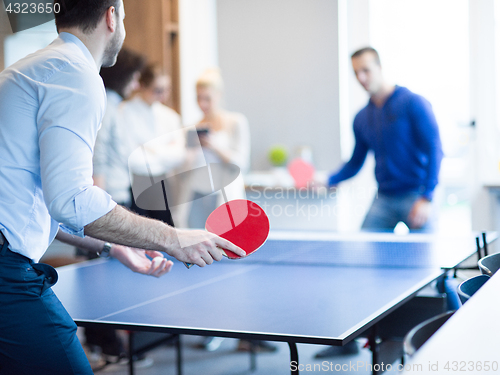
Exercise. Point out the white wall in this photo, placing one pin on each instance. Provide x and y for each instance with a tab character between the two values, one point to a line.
483	70
279	60
356	194
198	50
354	33
484	89
24	42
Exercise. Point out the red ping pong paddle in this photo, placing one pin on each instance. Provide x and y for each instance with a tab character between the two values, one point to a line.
242	222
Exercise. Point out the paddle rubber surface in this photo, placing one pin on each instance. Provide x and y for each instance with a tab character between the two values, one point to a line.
241	222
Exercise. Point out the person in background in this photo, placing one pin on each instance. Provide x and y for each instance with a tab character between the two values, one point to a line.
399	126
152	137
224	137
120	81
401	129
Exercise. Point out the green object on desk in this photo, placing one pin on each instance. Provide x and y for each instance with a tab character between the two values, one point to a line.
278	155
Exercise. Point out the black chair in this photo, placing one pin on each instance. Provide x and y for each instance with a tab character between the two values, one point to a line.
422	332
470	286
489	264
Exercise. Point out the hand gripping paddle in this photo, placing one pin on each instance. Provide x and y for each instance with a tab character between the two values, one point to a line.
242	222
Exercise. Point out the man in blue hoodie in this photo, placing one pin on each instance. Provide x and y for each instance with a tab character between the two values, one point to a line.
401	129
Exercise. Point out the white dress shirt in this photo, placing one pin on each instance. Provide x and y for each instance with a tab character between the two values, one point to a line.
51	106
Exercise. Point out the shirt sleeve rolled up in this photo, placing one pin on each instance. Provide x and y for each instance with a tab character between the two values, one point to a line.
71	109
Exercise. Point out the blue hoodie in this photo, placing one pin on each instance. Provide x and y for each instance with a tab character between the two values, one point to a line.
404	136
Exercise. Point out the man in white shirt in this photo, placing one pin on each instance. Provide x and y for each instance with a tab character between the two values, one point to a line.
51	105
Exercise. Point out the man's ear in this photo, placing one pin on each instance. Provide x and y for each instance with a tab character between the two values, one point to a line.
111	19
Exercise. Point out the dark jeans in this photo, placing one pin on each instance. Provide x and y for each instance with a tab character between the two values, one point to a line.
37	335
387	210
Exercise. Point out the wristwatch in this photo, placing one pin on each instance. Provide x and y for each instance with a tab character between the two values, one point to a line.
104	253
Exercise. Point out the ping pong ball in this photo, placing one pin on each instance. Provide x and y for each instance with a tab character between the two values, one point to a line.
401	229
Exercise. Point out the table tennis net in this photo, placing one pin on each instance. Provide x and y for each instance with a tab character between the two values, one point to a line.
353	253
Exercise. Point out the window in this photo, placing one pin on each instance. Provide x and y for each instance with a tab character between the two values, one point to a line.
23	43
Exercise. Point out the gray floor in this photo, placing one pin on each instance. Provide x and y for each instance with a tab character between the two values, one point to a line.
227	361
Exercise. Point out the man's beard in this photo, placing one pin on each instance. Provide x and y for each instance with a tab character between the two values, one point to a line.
111	51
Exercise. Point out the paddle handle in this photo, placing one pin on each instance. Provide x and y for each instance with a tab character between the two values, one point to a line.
189	265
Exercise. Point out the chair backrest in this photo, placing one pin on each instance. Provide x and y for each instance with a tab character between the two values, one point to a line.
489	264
422	332
470	286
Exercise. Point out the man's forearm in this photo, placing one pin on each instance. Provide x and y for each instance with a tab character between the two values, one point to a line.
126	228
123	227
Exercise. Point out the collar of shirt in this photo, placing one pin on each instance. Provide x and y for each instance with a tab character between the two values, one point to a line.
70	38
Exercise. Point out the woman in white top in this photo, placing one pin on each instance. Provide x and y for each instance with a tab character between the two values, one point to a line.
227	141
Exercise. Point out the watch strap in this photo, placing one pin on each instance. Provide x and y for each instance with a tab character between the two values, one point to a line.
106	248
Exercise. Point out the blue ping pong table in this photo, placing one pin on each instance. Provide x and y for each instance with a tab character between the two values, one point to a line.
317	288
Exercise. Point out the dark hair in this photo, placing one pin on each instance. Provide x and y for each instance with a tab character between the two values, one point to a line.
362	51
119	75
150	73
84	14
